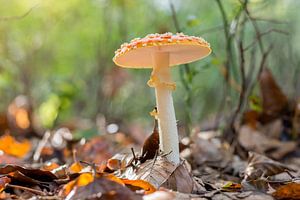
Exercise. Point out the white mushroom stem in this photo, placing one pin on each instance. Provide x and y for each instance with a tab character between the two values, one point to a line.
162	81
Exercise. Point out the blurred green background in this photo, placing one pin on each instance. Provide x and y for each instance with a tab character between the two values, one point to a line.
59	54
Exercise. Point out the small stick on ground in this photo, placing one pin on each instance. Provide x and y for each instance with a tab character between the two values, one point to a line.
38	192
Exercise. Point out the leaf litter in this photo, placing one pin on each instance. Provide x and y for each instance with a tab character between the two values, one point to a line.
59	166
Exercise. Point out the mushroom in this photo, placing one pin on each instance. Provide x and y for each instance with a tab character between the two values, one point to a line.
159	52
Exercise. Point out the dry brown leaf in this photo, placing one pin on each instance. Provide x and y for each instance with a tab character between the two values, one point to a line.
155	172
37	174
12	147
160	172
274	101
139	185
254	140
290	191
262	166
102	188
3	182
204	150
95	151
180	180
259	169
151	145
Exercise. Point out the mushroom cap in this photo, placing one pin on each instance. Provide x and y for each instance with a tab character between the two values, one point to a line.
181	48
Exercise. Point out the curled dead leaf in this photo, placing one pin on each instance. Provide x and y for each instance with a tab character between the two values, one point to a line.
139	185
274	101
151	145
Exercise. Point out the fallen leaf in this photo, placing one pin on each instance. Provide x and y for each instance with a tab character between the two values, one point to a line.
259	168
291	191
161	173
10	146
76	167
102	188
262	166
180	180
80	181
139	185
95	151
254	140
3	182
232	187
151	145
37	174
155	171
274	101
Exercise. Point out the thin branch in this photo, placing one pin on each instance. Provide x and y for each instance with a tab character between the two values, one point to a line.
243	89
255	26
183	71
273	21
262	64
174	16
9	18
212	29
258	37
34	191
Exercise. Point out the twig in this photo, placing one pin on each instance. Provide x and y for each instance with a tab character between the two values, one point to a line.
243	77
174	16
17	17
273	21
38	192
41	145
212	29
255	26
133	154
184	71
258	37
262	64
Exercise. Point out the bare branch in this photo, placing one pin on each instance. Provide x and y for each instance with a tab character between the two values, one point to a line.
273	21
259	35
261	66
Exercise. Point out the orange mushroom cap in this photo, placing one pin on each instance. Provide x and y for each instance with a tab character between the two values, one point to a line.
181	48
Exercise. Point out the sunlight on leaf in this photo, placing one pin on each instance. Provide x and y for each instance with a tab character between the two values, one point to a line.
290	191
10	146
139	185
3	182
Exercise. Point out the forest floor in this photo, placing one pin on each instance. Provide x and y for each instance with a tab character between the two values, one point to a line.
257	157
